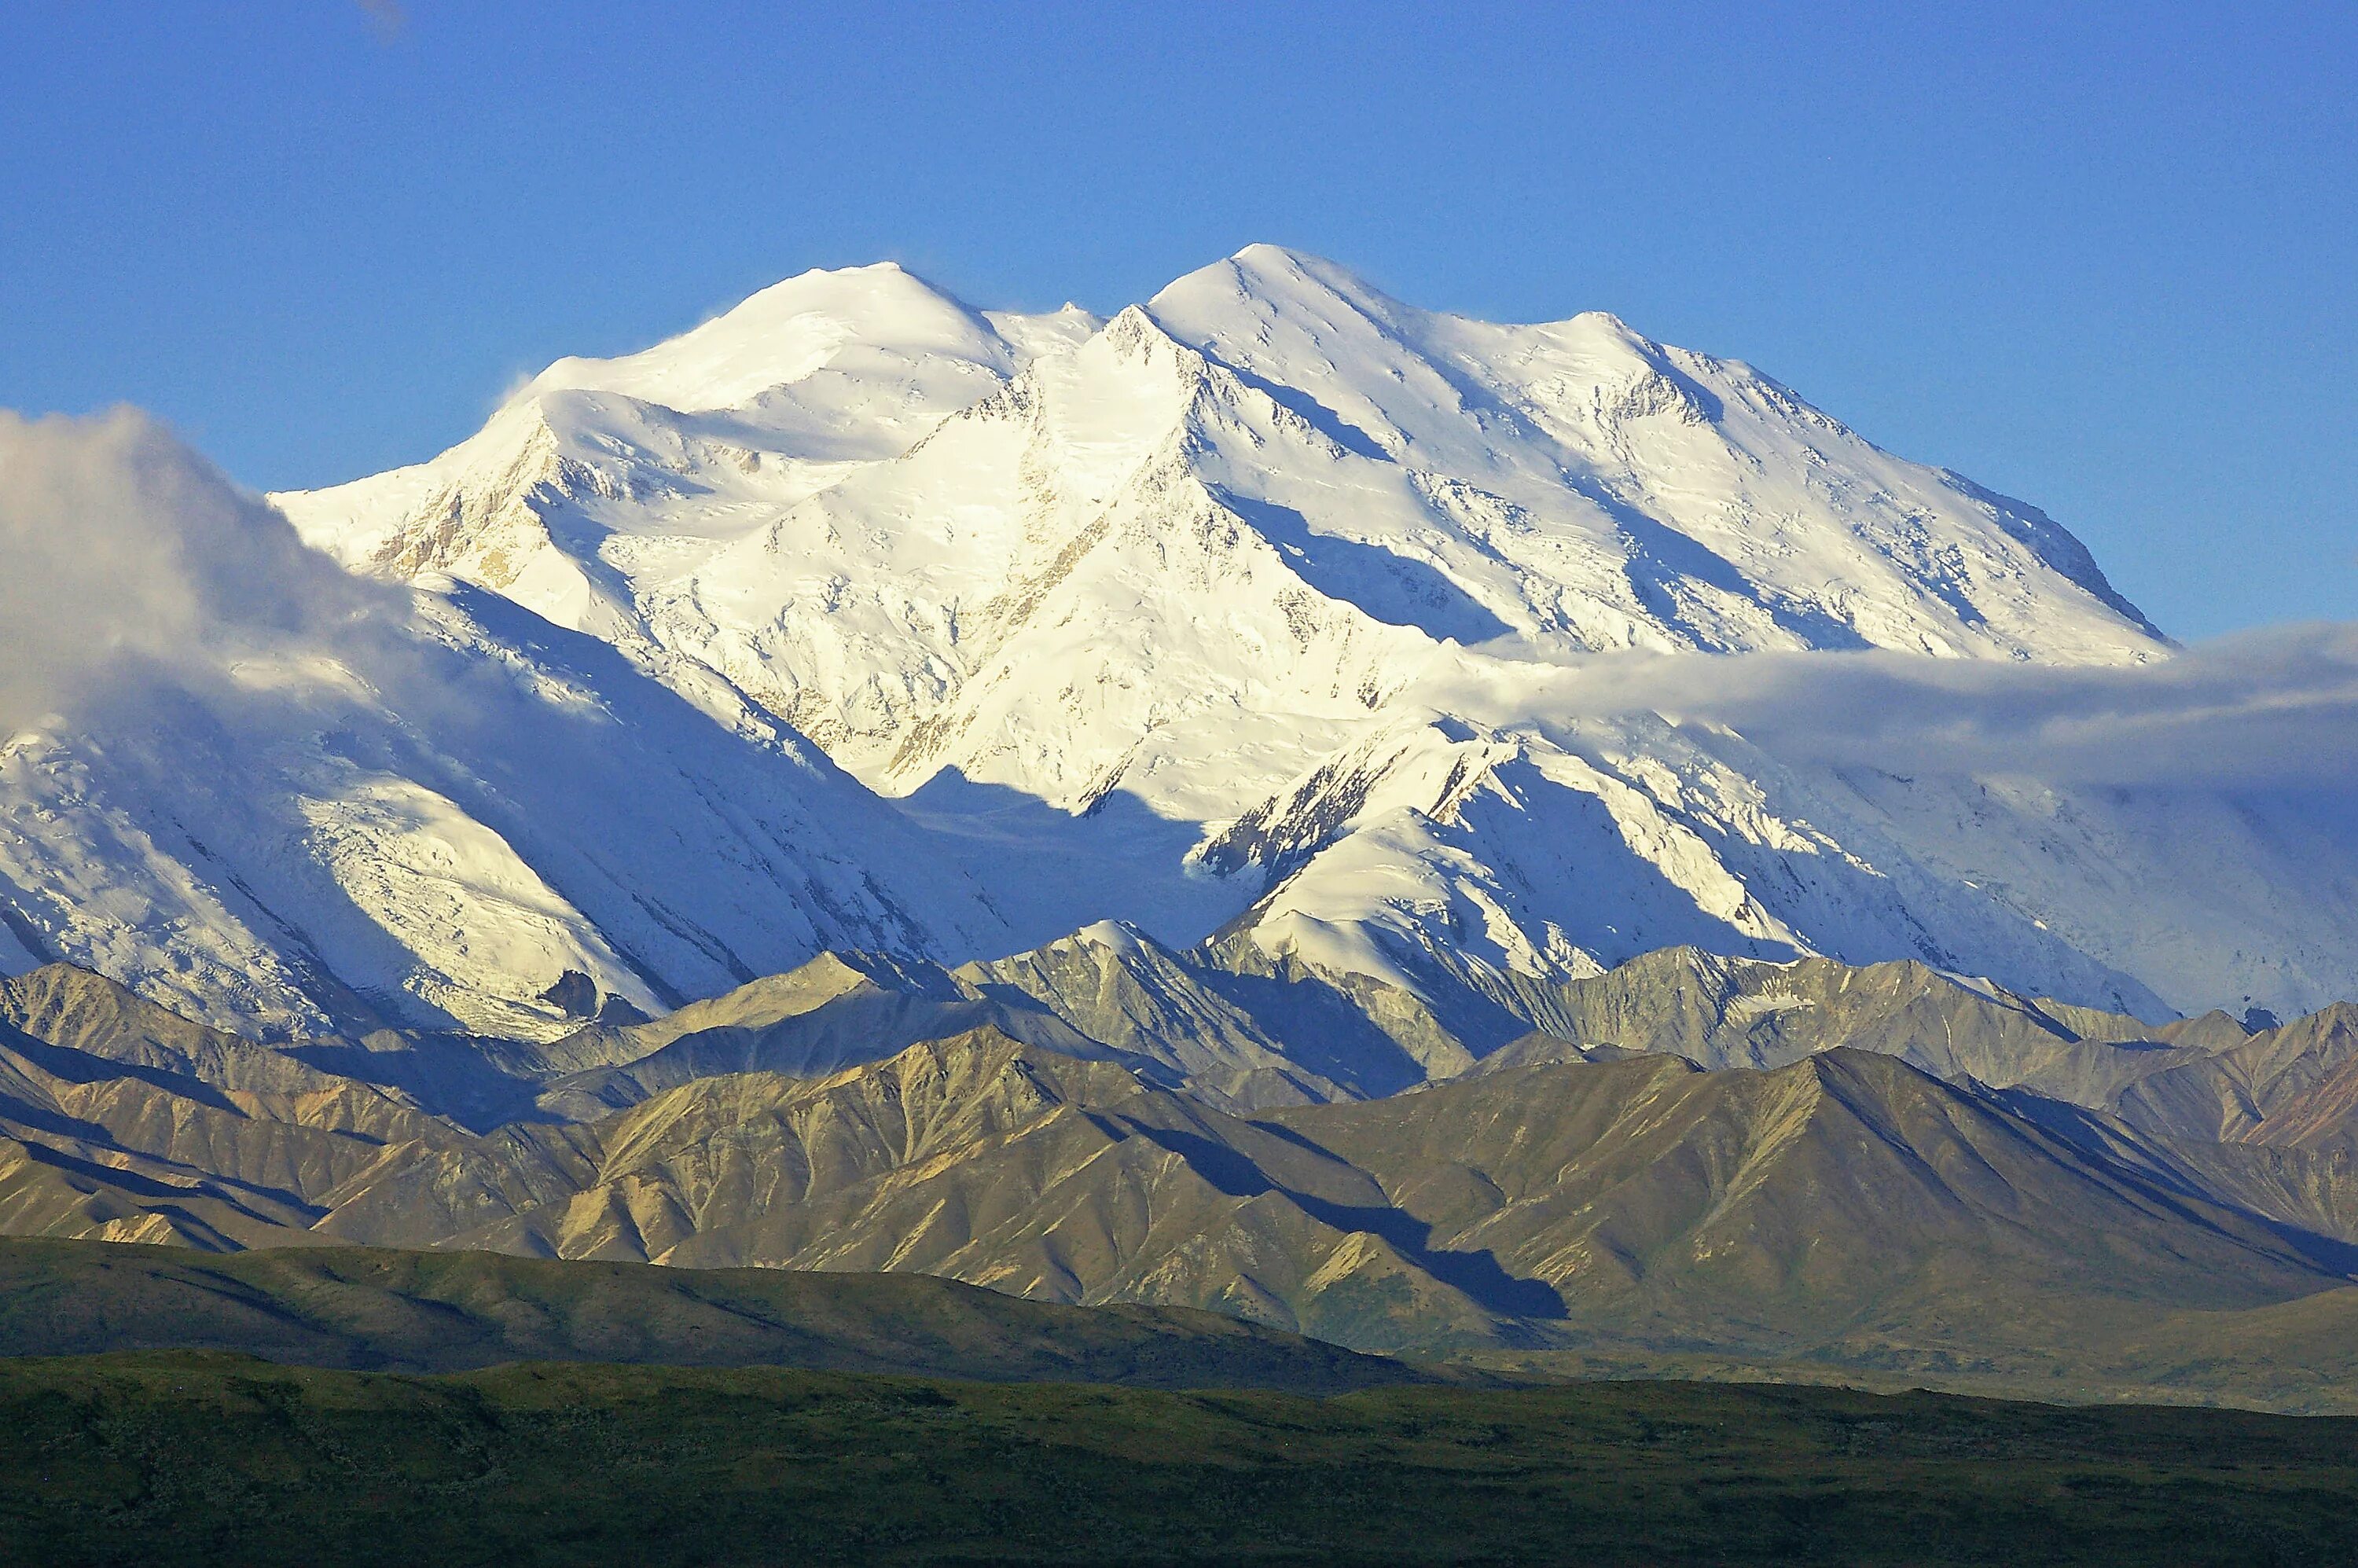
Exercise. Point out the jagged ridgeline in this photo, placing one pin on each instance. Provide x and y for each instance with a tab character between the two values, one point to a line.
1693	1161
1215	807
858	619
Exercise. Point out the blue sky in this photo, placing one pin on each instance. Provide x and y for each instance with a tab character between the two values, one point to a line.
2102	257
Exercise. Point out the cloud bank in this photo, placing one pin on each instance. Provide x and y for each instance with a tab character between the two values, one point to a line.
2273	709
123	554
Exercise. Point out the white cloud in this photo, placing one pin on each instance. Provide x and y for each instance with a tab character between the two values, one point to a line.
121	550
2273	709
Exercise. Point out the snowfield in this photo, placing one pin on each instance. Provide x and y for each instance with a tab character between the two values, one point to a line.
856	617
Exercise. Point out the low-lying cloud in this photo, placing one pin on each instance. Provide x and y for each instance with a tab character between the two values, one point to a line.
124	552
2275	709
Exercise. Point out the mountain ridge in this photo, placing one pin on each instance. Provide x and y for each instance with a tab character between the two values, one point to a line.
1085	505
1800	1191
1271	610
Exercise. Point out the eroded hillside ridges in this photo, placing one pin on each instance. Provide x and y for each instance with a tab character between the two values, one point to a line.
1884	1165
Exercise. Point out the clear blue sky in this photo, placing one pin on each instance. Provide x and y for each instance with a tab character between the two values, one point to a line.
2102	257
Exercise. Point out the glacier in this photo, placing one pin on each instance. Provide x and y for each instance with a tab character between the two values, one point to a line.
1265	616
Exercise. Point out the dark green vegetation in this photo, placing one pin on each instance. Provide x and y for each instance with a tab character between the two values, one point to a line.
419	1312
163	1460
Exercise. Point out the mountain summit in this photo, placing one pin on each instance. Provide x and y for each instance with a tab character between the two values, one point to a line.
1272	614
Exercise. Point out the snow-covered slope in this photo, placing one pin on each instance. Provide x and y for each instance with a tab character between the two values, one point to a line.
871	509
601	474
1146	566
1580	480
1169	618
423	807
320	845
1544	845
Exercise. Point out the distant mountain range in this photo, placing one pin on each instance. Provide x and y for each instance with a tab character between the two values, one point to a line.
1225	805
1805	1165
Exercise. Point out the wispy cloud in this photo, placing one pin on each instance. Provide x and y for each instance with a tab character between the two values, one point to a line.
387	17
123	550
2276	708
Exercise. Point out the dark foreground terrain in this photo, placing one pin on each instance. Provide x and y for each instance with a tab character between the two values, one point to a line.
379	1310
179	1457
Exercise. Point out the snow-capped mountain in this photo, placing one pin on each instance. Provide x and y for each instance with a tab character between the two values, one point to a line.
1258	612
420	806
602	477
319	847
